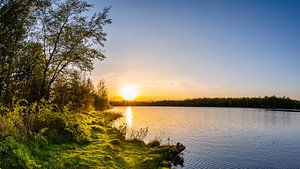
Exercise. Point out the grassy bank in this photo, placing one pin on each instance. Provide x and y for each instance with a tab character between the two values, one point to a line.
81	140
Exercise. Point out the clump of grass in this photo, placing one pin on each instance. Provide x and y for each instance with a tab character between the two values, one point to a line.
138	134
129	134
123	129
154	143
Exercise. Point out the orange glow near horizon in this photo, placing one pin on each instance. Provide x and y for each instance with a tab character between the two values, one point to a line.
129	92
153	88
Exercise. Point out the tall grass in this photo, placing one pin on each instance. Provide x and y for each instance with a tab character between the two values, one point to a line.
130	134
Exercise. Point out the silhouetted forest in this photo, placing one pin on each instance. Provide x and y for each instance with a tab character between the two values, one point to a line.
272	102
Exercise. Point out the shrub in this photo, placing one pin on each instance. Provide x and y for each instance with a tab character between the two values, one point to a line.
15	155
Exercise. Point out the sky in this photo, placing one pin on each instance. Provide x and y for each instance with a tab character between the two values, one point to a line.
177	49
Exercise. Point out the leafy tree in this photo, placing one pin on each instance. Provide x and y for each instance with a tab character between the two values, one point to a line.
45	47
70	40
102	89
101	100
29	72
14	21
78	93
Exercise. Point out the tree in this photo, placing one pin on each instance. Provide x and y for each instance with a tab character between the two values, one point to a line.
69	39
14	22
101	101
43	42
101	89
76	92
29	72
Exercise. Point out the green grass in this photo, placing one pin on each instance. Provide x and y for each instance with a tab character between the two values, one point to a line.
99	146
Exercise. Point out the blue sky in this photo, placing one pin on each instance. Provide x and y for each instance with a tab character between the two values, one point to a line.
175	49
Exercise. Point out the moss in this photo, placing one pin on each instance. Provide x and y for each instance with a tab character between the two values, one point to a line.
166	164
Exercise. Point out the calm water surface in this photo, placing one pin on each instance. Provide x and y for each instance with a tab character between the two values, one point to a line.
223	137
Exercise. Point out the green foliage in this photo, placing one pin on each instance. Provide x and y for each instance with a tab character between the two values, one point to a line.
15	155
101	101
35	125
70	140
14	22
166	164
75	92
29	72
45	48
27	121
78	94
71	41
44	42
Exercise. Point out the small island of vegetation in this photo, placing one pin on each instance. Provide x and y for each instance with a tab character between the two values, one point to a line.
51	116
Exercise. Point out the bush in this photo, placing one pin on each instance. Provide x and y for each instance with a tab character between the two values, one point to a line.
26	129
15	155
101	103
23	121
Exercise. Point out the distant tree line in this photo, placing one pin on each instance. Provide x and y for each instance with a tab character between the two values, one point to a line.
251	102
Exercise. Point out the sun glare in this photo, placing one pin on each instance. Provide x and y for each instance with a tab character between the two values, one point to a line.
129	92
128	116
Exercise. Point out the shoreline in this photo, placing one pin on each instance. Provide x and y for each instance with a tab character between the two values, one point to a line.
268	109
285	110
97	144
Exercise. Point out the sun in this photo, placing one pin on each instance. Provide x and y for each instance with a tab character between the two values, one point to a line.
129	92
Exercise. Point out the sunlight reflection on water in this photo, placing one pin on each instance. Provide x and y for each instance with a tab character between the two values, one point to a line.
128	115
223	137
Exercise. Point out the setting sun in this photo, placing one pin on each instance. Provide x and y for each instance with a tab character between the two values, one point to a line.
129	92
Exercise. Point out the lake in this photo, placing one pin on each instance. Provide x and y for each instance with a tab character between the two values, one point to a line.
222	137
